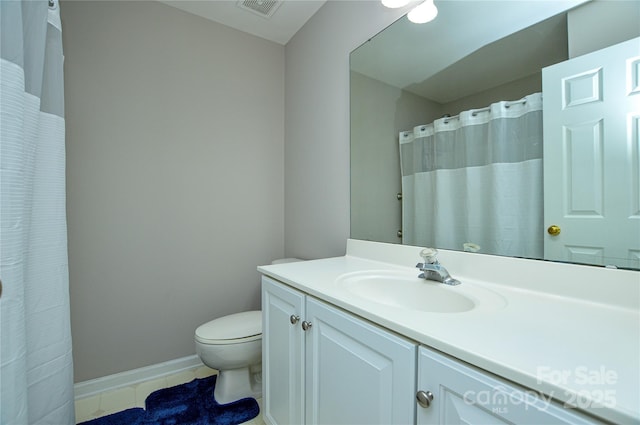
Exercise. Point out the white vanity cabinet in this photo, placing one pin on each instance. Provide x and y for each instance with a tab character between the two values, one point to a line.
456	393
322	365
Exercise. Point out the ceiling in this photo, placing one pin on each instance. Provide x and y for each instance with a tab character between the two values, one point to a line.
286	16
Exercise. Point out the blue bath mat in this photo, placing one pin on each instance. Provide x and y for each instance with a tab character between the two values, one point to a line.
187	404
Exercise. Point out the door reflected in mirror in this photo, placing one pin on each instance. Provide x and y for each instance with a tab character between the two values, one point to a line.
490	153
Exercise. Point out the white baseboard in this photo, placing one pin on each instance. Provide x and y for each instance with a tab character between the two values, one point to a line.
135	376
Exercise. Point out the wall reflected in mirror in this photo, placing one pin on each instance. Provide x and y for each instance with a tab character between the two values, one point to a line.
418	84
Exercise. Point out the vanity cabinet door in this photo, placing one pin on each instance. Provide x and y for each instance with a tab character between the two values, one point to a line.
357	373
461	394
283	310
322	365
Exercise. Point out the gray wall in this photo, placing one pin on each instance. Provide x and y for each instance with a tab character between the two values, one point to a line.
317	124
175	129
602	23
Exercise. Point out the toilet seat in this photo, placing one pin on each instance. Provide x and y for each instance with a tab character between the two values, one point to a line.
232	329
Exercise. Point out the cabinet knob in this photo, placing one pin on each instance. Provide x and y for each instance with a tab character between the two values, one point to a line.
306	325
294	319
424	398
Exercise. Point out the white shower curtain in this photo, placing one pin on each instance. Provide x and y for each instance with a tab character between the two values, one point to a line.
36	373
476	179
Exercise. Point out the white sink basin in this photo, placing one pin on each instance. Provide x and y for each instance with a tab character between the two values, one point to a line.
407	291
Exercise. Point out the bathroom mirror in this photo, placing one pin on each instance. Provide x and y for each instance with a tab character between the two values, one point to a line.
476	56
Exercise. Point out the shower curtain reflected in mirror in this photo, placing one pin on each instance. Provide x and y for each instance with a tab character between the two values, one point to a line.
36	367
474	182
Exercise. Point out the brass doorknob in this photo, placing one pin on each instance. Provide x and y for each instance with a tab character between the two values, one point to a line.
553	230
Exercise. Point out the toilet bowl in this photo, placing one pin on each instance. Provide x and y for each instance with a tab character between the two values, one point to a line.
233	345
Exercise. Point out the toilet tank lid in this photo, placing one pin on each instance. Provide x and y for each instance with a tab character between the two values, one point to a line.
233	326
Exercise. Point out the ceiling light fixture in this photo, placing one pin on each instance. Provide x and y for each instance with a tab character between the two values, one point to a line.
423	13
394	4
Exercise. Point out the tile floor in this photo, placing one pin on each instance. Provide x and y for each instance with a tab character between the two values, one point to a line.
134	396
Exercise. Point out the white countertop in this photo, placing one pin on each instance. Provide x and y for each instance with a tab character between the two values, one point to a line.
569	332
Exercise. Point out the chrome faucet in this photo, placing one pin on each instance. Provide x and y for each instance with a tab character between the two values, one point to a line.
432	269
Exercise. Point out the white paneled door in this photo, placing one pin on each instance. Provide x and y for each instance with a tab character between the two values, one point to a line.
591	113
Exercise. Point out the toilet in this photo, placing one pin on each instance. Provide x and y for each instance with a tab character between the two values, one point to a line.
233	345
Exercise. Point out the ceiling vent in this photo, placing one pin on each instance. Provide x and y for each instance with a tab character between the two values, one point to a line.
264	8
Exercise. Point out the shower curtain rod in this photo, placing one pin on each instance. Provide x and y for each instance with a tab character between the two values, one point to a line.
475	112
